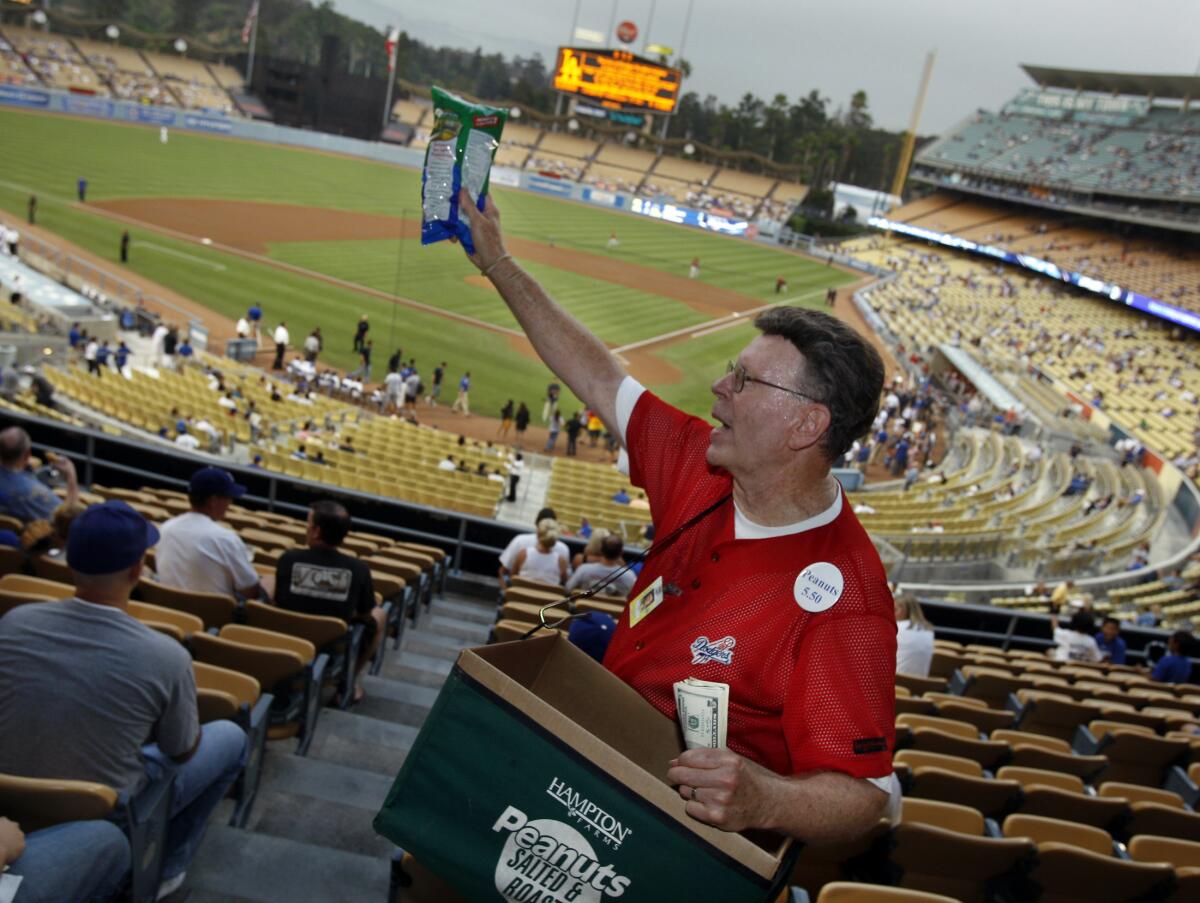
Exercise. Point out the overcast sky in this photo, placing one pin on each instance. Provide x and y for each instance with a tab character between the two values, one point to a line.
838	46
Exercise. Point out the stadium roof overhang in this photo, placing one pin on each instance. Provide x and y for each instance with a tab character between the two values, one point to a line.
1175	87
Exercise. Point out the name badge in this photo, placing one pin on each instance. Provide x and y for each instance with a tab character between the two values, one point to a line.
646	601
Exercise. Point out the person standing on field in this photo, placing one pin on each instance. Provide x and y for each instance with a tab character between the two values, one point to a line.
281	344
462	403
360	333
125	246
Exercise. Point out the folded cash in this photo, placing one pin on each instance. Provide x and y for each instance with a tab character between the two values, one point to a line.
703	708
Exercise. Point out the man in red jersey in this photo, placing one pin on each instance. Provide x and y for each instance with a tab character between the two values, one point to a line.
762	578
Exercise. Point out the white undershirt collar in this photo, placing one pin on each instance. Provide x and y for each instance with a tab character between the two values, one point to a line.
744	528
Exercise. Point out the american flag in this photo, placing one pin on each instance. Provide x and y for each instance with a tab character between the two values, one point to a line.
251	18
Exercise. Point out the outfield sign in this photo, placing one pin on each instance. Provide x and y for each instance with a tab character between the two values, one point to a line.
25	97
537	778
107	108
1111	291
686	216
546	185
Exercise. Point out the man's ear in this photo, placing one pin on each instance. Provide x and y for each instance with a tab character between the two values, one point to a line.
809	428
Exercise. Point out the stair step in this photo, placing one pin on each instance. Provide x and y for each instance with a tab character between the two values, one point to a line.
324	781
390	700
336	825
421	644
433	637
235	864
359	741
466	611
471	632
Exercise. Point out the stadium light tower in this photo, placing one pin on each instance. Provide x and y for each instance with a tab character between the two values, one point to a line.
910	137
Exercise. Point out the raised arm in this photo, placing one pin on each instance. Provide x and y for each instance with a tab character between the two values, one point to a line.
575	355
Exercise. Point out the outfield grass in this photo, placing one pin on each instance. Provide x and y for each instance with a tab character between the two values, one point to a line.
48	153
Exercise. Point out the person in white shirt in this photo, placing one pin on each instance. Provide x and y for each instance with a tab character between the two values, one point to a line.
1076	642
448	464
157	341
393	396
89	355
521	541
196	552
543	561
281	342
914	637
243	328
187	440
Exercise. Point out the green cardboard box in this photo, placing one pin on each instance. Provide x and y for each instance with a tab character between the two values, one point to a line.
540	777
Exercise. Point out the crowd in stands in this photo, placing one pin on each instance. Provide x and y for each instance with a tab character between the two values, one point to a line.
32	58
1133	367
1155	156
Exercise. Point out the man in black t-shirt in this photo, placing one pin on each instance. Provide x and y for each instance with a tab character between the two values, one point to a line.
320	580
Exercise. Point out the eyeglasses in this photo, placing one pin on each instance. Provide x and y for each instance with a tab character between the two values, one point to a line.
741	377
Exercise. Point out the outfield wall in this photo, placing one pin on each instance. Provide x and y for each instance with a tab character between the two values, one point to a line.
214	123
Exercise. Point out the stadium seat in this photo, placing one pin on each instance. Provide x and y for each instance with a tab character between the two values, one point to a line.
907	704
1183	855
155	615
214	609
1077	863
992	685
286	667
36	587
1135	755
11	560
941	848
1049	753
36	803
850	892
507	630
953	779
953	738
55	569
983	718
332	636
920	685
251	711
1050	714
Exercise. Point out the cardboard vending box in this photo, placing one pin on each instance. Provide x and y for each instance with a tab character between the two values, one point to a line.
540	777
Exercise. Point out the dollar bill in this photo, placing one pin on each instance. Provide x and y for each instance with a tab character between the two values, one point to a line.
703	708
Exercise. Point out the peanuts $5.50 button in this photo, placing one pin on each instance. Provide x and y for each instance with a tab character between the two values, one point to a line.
818	587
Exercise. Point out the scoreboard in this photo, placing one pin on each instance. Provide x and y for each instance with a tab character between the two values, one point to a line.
617	78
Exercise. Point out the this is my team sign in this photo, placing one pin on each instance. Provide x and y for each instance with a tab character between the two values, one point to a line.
539	777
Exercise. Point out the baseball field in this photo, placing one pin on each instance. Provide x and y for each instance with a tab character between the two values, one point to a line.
320	239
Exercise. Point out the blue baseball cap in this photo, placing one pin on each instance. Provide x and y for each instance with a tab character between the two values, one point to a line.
108	538
592	633
210	481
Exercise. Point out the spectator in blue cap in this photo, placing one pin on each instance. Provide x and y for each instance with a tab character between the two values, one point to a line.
89	693
592	633
197	553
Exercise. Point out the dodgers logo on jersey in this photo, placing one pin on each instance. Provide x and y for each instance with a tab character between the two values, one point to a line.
720	650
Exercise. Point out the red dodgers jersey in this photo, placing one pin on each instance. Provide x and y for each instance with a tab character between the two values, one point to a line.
801	627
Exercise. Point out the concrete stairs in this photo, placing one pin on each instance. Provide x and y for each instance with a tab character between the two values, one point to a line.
309	837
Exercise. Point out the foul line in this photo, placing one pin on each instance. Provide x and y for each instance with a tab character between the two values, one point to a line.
703	329
192	257
306	273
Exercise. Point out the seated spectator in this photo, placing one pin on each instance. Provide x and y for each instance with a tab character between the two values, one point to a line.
197	553
543	561
591	552
1076	643
1110	642
1150	617
22	495
320	580
77	860
89	693
524	541
592	632
592	573
621	497
1174	667
914	637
